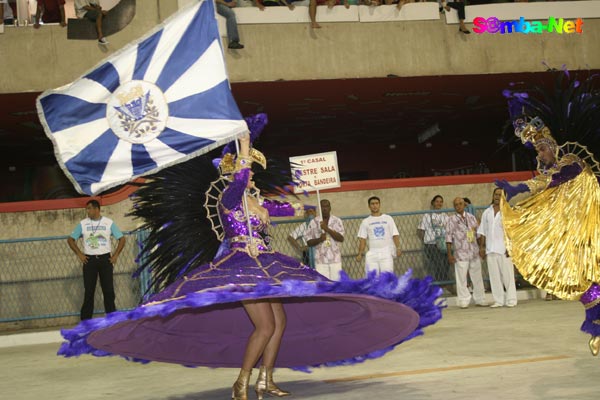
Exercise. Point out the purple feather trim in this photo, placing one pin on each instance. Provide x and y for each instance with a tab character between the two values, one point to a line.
420	295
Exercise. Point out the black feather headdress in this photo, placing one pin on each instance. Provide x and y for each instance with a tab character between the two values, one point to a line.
178	206
570	107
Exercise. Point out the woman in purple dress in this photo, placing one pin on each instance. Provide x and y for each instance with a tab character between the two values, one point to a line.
224	298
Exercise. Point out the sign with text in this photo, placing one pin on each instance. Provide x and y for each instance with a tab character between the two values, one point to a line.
315	171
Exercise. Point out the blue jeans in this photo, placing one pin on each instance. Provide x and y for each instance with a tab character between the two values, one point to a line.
232	31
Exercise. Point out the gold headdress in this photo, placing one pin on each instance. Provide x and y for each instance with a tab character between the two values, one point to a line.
230	163
533	130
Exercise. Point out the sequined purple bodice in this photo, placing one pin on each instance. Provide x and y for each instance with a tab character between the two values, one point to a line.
591	295
234	218
235	226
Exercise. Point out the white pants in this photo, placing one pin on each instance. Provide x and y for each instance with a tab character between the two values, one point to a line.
473	268
330	271
502	279
379	260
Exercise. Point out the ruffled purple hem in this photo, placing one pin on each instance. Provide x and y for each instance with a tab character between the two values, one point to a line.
592	314
589	326
414	296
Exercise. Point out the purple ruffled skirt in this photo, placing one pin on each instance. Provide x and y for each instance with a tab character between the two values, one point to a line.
199	320
591	301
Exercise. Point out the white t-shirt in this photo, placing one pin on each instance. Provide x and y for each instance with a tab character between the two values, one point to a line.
96	235
300	232
432	224
79	4
379	232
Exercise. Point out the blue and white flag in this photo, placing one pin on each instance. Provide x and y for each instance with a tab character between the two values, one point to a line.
157	102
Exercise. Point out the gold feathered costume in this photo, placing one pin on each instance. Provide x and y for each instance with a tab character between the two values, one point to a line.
554	235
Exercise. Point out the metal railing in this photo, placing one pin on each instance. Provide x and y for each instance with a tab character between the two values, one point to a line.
41	278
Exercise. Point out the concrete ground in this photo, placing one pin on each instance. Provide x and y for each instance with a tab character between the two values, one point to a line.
533	351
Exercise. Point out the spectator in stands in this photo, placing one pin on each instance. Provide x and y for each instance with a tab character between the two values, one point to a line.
50	11
384	240
326	235
97	260
459	6
298	237
312	9
274	3
399	3
491	246
6	15
92	11
461	237
225	9
432	231
372	3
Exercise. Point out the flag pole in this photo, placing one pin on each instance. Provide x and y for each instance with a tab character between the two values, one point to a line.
319	203
245	205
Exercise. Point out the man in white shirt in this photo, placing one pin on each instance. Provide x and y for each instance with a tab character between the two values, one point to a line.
383	237
96	257
326	236
491	246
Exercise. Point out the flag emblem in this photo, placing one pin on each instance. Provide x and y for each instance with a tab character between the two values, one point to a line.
137	111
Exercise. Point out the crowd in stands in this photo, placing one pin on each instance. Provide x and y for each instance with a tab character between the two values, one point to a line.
52	11
224	8
47	12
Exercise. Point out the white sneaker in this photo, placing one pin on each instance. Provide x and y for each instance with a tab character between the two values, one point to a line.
496	305
511	305
103	41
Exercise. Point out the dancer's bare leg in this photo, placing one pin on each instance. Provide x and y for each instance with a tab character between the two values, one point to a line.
261	315
272	348
265	383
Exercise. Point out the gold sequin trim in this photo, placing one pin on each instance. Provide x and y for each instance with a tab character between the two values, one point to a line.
592	304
